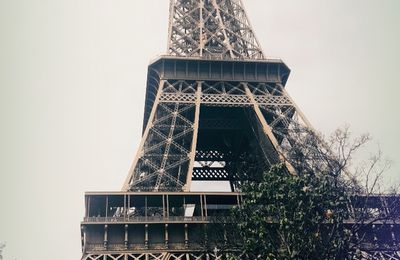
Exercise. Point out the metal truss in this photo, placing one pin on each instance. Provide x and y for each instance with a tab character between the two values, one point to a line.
373	255
160	256
230	94
288	128
168	144
171	154
217	29
167	155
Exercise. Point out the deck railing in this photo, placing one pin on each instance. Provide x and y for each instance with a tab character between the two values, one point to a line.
171	219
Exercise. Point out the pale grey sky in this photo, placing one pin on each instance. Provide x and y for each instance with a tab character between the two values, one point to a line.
72	82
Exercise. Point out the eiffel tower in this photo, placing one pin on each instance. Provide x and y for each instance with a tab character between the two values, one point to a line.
214	103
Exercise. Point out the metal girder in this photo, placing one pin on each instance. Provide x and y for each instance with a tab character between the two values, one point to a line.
378	255
215	64
166	154
211	29
268	130
194	139
161	256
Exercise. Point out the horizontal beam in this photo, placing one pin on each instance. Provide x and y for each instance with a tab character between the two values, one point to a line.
153	220
225	100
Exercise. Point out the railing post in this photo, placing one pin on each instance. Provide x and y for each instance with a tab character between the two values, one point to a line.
105	242
126	240
106	207
205	206
125	211
146	236
166	236
186	236
201	207
163	205
145	207
88	206
167	206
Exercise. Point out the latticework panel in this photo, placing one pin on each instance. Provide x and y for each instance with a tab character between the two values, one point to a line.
161	256
230	94
164	156
297	140
166	159
210	174
251	114
371	255
211	29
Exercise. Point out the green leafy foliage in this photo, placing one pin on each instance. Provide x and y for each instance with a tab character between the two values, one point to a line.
286	216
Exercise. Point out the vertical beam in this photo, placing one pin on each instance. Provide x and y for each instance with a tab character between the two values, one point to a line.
267	129
126	239
251	27
205	234
374	234
167	206
166	236
125	211
146	236
194	138
106	206
88	207
171	18
201	207
105	241
201	26
186	236
393	234
163	207
83	238
205	205
222	26
144	137
129	205
145	206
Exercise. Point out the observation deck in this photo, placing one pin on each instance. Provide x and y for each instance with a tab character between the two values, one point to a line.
141	222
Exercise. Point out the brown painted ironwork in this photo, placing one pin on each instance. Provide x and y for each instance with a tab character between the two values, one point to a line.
215	104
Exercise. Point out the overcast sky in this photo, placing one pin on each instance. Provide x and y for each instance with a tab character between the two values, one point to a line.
72	82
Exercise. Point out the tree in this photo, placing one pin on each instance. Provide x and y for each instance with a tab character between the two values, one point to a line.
320	212
286	216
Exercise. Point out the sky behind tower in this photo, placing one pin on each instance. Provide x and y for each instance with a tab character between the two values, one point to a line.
72	82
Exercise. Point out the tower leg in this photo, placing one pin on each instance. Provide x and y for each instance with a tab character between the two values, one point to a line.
144	137
194	138
267	130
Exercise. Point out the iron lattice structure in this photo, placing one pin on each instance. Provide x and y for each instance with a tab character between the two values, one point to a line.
223	66
217	29
216	108
186	109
